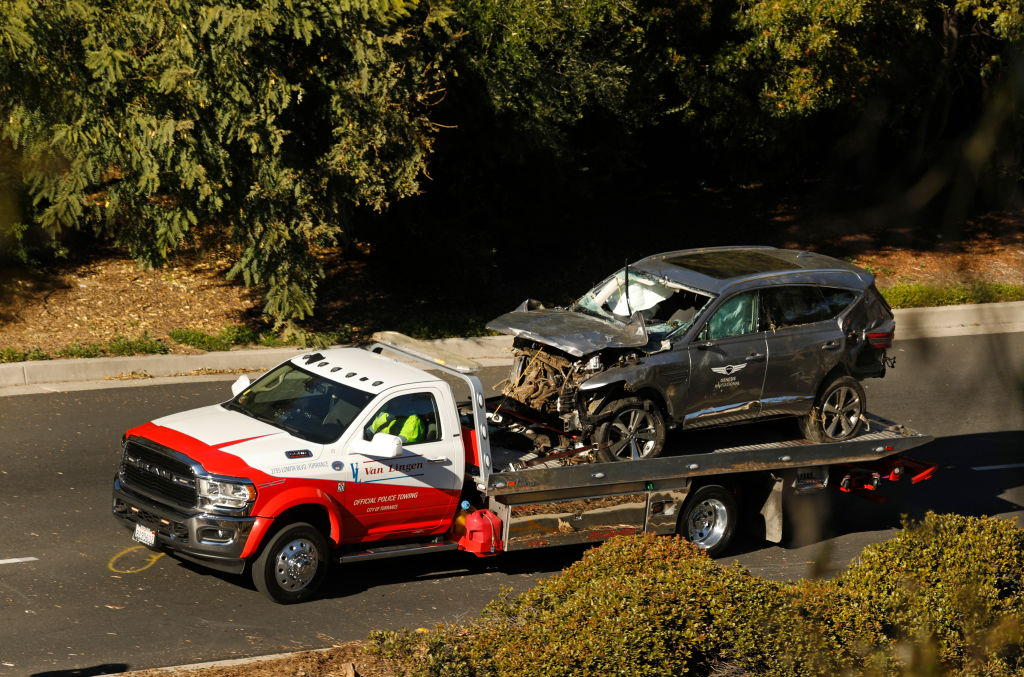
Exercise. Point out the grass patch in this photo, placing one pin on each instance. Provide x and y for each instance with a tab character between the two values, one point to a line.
228	337
144	345
78	350
918	295
241	336
199	339
118	346
18	355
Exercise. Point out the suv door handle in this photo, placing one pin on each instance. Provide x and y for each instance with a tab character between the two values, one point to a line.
830	345
754	357
435	459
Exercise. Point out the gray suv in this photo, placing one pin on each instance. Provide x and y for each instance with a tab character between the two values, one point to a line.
703	337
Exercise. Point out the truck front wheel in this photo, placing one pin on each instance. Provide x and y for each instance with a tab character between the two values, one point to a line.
708	519
292	565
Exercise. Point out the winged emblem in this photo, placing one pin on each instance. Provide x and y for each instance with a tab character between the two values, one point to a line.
729	369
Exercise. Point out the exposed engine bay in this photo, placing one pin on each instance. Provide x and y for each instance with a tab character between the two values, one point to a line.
547	380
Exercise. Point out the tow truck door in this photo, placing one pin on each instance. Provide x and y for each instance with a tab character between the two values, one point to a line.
415	493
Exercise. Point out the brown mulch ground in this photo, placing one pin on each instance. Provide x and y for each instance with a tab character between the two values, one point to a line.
108	295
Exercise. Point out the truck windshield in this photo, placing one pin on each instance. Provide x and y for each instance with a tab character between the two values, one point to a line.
304	404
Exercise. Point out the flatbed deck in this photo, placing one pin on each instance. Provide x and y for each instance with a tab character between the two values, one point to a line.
881	439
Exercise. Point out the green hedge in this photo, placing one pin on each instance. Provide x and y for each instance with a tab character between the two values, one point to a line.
953	585
917	295
943	597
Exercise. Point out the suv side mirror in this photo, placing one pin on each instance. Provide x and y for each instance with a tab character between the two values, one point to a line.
240	384
382	445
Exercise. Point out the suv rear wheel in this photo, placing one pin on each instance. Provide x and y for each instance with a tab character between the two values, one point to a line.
633	429
838	412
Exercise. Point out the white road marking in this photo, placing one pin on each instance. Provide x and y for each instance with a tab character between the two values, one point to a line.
998	467
17	560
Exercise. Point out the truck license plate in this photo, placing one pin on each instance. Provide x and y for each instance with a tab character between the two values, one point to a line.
144	535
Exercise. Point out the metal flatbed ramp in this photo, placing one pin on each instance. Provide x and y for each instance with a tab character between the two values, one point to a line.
883	439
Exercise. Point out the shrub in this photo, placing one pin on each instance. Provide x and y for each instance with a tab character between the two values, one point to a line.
945	596
954	582
239	335
647	606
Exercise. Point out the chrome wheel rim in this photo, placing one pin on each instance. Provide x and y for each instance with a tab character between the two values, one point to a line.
840	413
706	523
296	564
633	434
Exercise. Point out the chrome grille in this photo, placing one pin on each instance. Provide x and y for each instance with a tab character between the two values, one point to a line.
158	475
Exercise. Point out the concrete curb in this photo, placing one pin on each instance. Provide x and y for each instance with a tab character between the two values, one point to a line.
489	351
981	318
228	663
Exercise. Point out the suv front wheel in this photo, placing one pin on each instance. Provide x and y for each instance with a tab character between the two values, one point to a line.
633	429
838	412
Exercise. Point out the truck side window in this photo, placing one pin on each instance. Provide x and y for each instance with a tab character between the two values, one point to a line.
412	417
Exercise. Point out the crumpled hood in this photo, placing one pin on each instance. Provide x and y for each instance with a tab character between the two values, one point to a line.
575	333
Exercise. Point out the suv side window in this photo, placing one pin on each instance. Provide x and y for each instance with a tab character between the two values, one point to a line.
838	299
735	317
412	417
795	305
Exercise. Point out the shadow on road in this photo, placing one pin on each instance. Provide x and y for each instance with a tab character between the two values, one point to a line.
975	476
105	669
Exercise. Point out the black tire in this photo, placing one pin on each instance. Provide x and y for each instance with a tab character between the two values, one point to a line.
708	519
838	412
292	565
632	429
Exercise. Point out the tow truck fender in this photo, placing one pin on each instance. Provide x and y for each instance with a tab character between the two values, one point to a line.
292	498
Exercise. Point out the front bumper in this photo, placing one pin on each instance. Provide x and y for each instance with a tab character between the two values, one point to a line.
215	541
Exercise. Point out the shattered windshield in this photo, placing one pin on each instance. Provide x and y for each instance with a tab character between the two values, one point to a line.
308	406
665	307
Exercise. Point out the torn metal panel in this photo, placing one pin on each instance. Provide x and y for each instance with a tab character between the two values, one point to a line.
574	333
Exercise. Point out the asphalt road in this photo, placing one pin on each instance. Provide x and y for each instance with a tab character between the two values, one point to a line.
78	597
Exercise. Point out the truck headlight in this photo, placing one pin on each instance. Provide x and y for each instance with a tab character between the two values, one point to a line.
223	494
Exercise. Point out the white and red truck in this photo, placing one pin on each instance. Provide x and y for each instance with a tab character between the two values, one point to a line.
350	454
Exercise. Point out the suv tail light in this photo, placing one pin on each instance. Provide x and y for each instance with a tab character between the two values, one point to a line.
881	340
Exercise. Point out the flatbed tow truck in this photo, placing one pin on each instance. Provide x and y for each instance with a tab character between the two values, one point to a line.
226	487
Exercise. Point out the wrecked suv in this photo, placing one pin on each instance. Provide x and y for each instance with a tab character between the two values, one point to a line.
703	337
